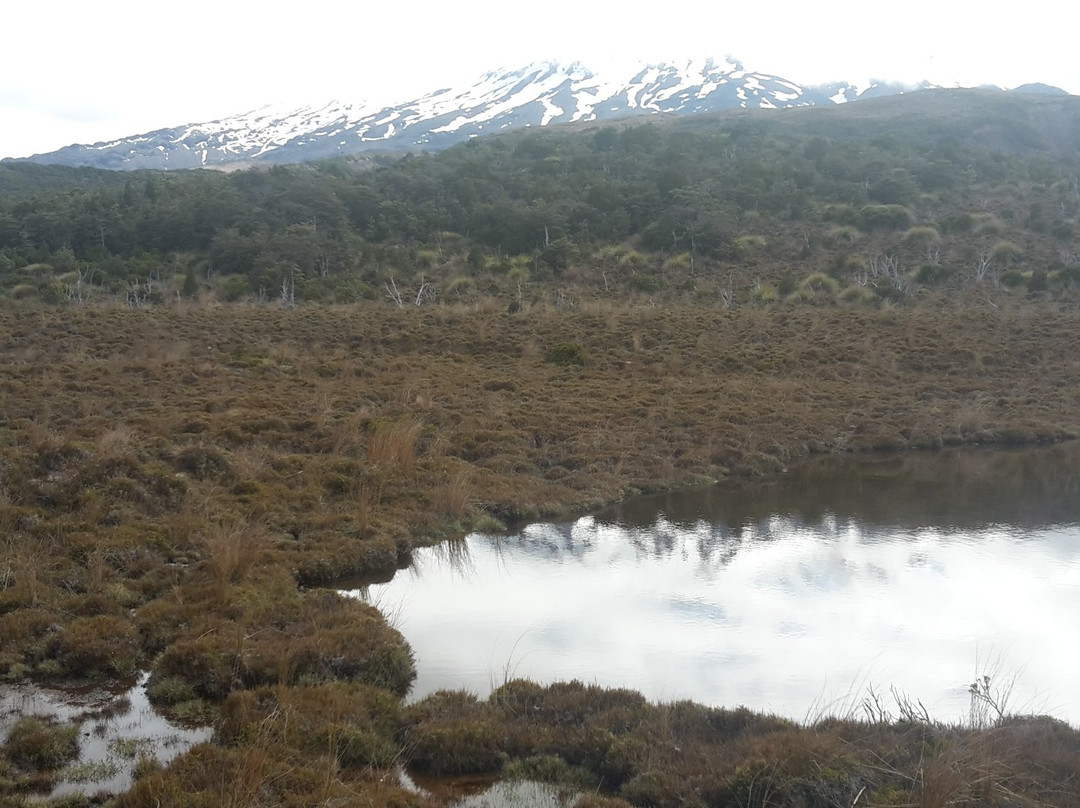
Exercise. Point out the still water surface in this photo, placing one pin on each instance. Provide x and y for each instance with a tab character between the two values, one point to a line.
798	597
116	728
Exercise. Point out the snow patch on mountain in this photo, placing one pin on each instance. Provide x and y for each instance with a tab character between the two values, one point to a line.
538	94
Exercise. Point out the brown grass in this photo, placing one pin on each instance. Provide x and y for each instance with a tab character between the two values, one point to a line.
165	504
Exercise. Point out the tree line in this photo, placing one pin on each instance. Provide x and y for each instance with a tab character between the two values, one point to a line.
638	203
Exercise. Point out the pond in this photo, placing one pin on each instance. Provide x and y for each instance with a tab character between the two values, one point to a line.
846	580
117	727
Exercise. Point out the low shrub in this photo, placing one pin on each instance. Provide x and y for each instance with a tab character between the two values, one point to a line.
932	274
453	732
42	743
355	723
884	217
203	462
319	638
859	295
565	353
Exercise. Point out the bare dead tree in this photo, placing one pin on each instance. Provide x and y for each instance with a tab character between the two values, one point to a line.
885	266
393	293
288	291
727	294
425	294
79	292
982	267
140	292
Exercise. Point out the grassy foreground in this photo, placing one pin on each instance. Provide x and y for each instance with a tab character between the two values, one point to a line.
177	484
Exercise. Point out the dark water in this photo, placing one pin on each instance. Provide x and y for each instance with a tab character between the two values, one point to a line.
916	572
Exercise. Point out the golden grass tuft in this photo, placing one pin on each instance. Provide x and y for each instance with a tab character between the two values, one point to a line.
228	550
392	445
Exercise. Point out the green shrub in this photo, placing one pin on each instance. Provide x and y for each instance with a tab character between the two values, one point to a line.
884	217
1013	278
958	223
566	353
932	274
644	283
23	291
1038	282
820	282
359	747
1007	252
202	462
548	769
840	214
841	235
763	295
920	236
678	262
749	244
234	287
858	295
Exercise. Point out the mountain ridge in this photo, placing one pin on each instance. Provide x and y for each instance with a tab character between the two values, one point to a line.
537	94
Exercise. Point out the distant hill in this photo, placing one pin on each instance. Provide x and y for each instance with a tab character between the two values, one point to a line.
535	95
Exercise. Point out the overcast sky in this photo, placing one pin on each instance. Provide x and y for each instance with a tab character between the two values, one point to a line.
73	71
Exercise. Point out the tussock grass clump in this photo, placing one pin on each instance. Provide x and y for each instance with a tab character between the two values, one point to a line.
318	637
265	771
99	646
228	551
354	723
393	444
328	556
41	743
453	732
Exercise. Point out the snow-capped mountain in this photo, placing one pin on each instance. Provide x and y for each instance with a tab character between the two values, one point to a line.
537	95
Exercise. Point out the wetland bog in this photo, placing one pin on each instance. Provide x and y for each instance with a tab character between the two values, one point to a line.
183	488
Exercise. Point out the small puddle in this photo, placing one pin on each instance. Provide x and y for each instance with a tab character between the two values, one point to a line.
483	791
521	794
117	727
